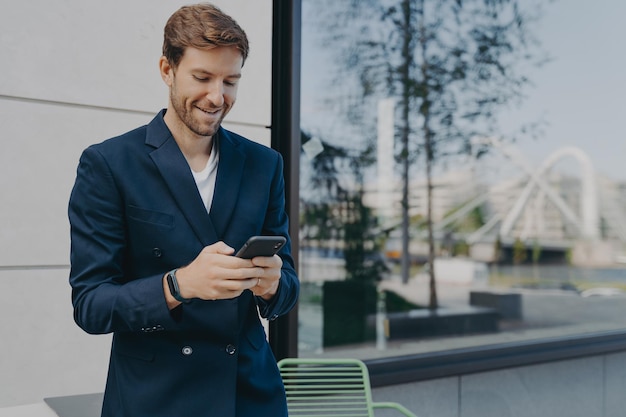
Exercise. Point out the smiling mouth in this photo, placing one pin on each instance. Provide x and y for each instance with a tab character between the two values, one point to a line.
211	112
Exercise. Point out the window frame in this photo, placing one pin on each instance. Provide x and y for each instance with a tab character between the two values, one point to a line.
285	134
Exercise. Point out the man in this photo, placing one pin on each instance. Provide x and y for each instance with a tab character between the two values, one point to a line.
156	215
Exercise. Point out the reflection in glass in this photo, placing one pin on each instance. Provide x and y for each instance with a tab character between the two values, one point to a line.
520	215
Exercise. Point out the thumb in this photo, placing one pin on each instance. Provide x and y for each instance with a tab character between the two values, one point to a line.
219	247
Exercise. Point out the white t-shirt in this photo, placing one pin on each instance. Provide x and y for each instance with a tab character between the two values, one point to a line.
205	179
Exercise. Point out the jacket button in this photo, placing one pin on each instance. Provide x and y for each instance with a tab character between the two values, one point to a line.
187	350
231	349
157	252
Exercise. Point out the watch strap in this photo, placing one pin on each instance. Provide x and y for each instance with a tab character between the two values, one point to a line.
172	284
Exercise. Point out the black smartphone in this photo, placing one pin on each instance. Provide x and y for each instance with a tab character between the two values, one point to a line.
261	246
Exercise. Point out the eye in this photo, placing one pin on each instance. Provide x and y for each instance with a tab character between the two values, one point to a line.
200	79
230	83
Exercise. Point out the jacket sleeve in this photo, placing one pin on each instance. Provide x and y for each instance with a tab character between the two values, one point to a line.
104	299
277	223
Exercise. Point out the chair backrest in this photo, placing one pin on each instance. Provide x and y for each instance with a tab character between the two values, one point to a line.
326	387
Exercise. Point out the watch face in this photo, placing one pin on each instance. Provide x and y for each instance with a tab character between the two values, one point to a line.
172	283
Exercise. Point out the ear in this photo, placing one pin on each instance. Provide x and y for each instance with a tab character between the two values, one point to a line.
167	72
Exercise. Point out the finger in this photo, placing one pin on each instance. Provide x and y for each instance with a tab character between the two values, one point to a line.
247	273
229	288
219	247
268	261
239	285
260	287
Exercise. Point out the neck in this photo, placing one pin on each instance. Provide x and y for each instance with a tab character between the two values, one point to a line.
195	148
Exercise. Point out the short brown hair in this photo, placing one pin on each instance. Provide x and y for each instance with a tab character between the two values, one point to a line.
201	26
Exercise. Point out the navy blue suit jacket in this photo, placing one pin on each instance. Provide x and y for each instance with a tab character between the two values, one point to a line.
135	213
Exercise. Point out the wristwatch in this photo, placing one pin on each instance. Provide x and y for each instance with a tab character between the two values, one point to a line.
172	283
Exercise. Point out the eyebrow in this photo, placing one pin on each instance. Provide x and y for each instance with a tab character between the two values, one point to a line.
205	72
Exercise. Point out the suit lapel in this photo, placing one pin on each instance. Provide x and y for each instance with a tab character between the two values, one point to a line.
174	169
229	175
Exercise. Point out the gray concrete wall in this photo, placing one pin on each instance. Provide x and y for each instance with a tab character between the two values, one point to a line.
587	387
77	72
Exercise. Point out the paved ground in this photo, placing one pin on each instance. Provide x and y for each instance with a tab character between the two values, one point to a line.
546	313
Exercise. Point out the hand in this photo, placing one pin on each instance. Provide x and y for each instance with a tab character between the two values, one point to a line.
267	284
215	274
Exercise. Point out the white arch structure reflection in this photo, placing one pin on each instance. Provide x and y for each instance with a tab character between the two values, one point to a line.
588	224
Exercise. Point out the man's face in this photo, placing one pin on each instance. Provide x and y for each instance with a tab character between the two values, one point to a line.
203	88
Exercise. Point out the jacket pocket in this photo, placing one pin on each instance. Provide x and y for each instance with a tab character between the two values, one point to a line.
150	216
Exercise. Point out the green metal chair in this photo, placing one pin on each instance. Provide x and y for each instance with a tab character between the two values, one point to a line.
330	387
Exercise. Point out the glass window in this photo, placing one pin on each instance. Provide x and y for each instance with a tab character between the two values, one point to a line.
464	185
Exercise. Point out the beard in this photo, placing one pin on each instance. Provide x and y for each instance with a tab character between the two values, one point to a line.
190	118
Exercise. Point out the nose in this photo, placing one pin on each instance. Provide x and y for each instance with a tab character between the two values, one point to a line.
215	93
